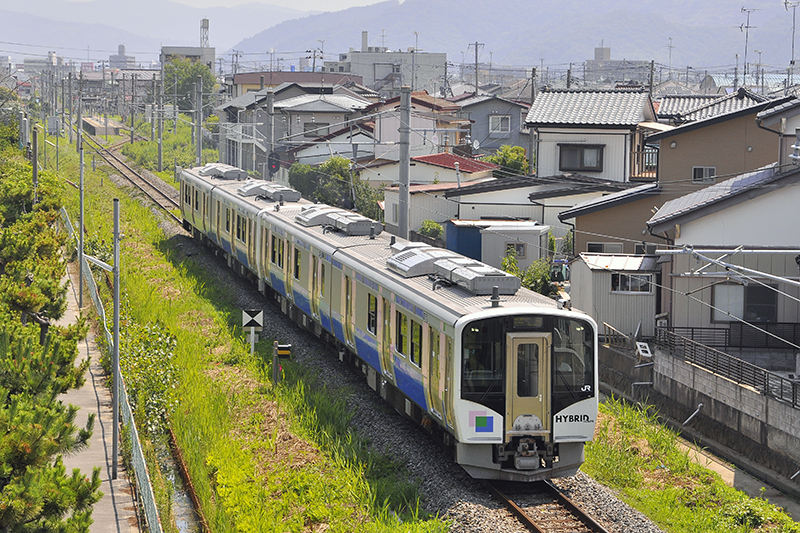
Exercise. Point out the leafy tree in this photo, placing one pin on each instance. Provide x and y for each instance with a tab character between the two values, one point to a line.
186	72
330	183
512	161
536	277
566	244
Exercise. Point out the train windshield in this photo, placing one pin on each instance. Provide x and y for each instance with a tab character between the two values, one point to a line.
573	362
483	376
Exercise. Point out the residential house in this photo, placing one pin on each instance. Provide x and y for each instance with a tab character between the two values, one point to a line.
598	133
495	121
442	167
245	82
446	129
690	157
491	199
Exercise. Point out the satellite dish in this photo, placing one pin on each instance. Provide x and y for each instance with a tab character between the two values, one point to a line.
476	144
435	139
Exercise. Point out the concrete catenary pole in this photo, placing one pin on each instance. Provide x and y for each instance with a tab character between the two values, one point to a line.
199	128
405	160
115	415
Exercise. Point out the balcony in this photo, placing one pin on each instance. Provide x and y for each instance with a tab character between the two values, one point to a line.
644	164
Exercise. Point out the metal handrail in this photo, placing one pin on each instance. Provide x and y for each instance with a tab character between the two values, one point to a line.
142	475
730	367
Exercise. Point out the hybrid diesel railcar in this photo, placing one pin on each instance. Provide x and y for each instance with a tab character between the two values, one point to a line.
502	375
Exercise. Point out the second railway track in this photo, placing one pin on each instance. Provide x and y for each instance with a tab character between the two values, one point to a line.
544	509
163	195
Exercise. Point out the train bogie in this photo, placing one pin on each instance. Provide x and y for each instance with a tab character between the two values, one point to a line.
505	378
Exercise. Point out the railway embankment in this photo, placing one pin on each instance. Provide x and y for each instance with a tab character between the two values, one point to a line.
754	431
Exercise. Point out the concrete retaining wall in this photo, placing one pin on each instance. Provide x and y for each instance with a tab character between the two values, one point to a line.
760	428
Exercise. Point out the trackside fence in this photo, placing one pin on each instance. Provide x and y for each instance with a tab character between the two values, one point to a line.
143	485
730	367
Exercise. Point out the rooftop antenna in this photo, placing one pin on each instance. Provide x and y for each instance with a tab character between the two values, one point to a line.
787	4
746	29
204	34
670	46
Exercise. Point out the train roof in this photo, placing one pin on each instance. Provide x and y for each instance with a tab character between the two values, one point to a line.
457	284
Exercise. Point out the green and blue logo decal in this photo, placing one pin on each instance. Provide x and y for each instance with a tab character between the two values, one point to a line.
481	422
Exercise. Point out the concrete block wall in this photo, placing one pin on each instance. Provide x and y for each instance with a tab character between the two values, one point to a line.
759	427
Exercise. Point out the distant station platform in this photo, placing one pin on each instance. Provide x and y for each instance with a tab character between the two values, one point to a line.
97	126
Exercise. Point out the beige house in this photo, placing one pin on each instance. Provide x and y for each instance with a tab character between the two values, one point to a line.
690	157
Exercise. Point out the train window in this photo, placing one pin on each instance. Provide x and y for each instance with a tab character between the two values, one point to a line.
573	362
187	195
240	231
401	342
416	343
322	280
297	262
527	370
387	325
483	363
227	220
372	314
277	251
197	200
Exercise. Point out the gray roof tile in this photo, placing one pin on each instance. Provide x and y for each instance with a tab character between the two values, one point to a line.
590	108
714	193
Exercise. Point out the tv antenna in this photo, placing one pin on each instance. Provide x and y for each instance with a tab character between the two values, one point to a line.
746	29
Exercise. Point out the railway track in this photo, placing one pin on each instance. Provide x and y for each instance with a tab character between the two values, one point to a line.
166	197
542	508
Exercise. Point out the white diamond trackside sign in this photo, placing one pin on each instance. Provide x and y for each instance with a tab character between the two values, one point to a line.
252	318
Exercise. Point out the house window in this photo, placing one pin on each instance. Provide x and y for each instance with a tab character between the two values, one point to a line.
585	157
753	303
640	283
372	314
499	124
604	247
315	129
518	248
703	174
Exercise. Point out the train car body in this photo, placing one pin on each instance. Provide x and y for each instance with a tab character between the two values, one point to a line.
503	376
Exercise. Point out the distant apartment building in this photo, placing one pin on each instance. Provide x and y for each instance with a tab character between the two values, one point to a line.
604	70
386	71
120	60
198	54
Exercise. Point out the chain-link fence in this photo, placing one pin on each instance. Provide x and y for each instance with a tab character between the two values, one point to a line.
139	465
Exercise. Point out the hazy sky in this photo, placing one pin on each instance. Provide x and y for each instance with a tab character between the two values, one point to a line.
301	5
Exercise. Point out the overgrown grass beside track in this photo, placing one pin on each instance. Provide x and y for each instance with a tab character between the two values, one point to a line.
261	457
641	459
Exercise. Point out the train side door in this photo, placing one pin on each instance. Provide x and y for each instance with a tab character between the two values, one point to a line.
348	311
527	383
315	286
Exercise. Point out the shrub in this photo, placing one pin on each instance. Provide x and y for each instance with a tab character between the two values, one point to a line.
430	228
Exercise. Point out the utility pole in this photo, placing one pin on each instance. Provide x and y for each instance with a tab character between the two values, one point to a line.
532	134
414	62
476	45
405	160
70	108
670	46
787	4
153	113
199	127
161	124
133	105
175	102
79	140
35	164
652	73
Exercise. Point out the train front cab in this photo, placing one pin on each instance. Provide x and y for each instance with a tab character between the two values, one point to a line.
528	397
